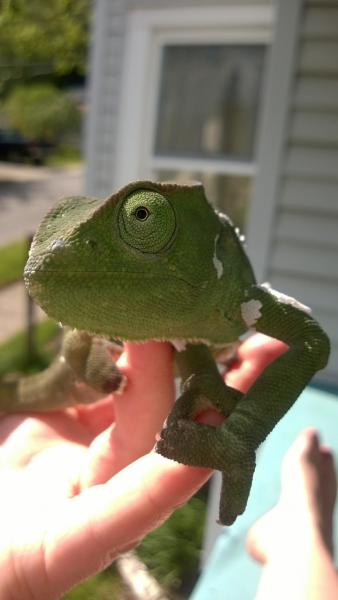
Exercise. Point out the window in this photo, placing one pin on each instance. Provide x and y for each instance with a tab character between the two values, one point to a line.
198	116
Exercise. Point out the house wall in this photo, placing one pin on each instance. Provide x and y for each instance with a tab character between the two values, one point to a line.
301	256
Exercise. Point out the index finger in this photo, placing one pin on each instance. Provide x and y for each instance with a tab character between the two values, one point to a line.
139	412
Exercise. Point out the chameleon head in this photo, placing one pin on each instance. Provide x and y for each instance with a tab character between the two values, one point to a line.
139	264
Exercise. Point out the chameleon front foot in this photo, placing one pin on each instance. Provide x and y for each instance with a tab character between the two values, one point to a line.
91	360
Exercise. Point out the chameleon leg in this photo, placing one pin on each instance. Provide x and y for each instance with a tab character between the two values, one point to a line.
200	375
231	447
83	359
198	444
91	361
275	391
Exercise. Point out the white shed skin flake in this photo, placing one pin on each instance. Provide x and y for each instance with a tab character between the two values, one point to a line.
57	244
284	299
251	312
217	263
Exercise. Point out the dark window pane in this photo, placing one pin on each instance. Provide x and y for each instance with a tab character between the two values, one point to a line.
209	95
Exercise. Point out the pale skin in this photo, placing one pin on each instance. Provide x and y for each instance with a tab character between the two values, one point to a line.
294	540
79	486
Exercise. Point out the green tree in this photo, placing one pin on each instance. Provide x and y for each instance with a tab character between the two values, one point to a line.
43	37
42	111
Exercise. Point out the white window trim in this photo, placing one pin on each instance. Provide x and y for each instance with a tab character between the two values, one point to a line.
146	32
202	165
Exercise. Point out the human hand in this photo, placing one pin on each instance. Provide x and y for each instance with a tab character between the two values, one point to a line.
74	490
80	486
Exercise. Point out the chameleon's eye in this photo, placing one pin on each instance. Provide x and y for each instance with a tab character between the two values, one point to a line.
142	213
147	221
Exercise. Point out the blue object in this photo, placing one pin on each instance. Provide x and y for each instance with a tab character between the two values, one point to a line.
230	573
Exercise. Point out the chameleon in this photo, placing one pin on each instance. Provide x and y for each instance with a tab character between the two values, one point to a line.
155	261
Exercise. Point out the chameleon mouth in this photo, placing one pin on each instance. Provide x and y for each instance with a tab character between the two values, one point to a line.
40	274
53	288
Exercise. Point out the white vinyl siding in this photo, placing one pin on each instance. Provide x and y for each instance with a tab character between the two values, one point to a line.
303	257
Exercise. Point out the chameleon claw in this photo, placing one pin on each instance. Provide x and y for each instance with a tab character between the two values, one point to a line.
116	383
122	384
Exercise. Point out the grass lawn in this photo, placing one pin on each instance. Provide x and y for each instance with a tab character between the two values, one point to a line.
12	261
104	586
13	352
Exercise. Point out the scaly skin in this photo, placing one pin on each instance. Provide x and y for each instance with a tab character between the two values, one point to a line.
155	261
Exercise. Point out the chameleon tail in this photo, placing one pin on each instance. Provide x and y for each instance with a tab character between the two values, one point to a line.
38	392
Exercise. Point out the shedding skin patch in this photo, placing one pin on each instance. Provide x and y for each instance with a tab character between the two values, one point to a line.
284	299
57	244
251	312
217	263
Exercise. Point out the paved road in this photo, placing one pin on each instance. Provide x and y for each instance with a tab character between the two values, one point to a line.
26	193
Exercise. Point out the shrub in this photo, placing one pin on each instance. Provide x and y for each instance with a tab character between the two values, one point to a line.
42	111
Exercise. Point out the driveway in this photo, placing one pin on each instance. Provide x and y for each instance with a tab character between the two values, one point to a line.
26	193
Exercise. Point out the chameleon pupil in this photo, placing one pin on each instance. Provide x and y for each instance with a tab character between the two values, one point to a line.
142	213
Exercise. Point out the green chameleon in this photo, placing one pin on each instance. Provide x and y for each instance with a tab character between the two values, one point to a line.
155	261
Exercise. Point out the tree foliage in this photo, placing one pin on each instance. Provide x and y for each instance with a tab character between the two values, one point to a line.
43	37
41	111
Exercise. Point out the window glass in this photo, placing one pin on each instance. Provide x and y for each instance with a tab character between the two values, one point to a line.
208	100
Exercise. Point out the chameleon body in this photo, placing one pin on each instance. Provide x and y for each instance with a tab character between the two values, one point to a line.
156	262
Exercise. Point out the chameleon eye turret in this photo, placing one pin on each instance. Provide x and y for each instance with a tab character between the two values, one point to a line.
147	221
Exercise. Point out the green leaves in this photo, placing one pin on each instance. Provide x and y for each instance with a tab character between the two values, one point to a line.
39	37
41	111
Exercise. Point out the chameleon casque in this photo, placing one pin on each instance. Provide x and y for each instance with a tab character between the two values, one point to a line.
156	261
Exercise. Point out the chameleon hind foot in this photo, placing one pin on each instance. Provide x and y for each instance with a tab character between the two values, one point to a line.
203	445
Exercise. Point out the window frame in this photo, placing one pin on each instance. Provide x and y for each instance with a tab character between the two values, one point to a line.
147	32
